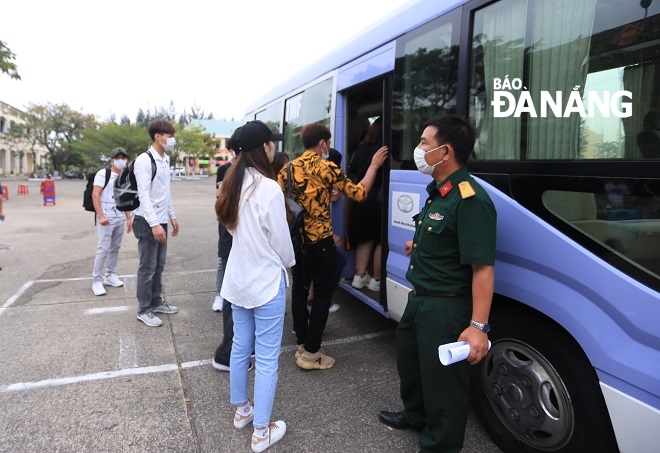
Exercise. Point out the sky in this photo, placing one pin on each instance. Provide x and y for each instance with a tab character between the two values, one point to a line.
116	57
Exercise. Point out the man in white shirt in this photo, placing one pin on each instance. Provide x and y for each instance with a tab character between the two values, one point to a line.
150	222
110	226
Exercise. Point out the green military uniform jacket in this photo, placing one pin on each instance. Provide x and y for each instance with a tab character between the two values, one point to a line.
454	230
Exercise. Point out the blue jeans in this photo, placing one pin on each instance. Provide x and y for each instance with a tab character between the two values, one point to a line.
152	262
259	329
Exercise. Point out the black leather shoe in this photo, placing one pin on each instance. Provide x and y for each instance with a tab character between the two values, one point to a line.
395	419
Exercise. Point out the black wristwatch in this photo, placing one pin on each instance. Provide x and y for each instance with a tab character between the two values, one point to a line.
485	328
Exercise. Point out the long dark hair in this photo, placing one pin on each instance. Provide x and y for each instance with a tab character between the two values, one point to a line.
226	206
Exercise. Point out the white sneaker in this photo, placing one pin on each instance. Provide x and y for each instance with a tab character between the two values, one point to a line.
166	308
150	319
98	289
241	418
359	282
333	308
276	431
374	285
217	303
113	280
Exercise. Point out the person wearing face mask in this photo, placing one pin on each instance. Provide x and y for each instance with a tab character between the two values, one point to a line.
452	255
252	209
312	180
110	225
150	222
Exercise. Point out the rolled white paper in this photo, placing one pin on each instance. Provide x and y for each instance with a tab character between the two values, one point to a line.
454	352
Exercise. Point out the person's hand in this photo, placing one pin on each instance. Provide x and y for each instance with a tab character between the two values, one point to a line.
175	228
337	240
103	221
335	195
379	158
159	234
408	246
129	225
478	342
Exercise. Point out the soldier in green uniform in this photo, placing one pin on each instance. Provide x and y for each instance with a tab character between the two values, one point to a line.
451	270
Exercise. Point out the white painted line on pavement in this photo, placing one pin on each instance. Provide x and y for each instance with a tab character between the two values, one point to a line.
29	283
86	378
96	311
160	368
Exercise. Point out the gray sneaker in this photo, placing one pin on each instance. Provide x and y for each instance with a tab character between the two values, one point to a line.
150	319
166	308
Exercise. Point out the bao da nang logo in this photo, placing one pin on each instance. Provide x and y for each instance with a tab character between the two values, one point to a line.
505	103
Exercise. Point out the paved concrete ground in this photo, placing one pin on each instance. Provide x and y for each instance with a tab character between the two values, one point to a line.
79	373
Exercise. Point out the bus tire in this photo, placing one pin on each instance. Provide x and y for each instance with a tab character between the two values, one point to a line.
536	391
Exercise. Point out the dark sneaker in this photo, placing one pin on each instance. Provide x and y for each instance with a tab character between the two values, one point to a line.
220	367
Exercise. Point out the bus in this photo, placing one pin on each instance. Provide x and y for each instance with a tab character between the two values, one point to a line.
565	98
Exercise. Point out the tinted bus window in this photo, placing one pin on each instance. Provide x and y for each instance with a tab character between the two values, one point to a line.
426	71
271	116
563	79
310	106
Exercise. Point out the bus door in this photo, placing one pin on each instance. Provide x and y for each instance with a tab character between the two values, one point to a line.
365	128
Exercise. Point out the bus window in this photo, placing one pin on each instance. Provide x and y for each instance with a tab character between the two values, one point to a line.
562	79
271	117
426	74
310	106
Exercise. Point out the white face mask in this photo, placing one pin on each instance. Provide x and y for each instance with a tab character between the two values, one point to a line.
119	164
169	144
422	166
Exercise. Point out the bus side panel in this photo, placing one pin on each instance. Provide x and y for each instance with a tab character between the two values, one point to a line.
611	316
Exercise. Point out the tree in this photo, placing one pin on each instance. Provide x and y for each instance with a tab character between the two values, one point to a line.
7	64
96	144
192	141
57	127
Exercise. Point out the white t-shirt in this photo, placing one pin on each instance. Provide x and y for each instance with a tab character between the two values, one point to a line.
107	201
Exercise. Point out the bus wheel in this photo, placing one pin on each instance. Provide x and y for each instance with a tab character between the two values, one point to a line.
536	391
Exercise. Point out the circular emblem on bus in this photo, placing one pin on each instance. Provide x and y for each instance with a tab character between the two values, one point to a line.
405	203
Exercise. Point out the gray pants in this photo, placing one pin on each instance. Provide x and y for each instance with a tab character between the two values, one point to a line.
152	262
109	241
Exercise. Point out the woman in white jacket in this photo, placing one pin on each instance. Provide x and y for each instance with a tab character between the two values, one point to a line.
251	206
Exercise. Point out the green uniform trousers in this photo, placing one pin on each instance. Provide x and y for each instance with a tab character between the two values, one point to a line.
436	398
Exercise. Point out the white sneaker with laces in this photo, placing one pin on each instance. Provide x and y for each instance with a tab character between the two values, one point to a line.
98	289
374	285
333	308
217	303
276	431
113	280
359	282
150	319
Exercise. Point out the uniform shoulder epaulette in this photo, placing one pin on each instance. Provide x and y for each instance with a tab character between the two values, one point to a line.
466	189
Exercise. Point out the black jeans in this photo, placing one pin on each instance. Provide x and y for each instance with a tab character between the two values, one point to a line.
319	267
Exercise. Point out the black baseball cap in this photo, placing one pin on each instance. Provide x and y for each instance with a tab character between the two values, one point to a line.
253	134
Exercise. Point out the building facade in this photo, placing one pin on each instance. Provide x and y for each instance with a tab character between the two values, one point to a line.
18	154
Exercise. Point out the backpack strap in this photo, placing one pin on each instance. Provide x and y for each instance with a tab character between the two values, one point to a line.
107	176
153	166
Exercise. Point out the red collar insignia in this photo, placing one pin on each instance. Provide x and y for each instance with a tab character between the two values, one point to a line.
446	188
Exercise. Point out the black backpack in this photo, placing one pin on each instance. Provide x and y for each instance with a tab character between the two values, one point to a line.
125	189
88	204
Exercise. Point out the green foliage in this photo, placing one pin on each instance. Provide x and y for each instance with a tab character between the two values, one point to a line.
193	141
7	65
95	144
58	127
